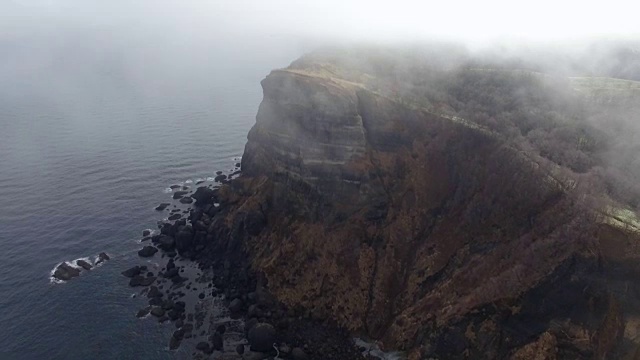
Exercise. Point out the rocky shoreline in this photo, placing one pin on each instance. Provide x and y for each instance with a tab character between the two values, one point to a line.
200	267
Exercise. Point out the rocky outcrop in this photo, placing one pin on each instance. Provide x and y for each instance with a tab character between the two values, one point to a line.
431	234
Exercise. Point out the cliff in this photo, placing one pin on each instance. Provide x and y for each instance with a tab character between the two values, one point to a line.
431	232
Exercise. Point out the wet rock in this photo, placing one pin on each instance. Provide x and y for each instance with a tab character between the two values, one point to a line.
220	178
83	264
186	200
157	311
298	354
174	217
179	194
143	312
168	304
166	243
221	329
65	272
236	306
155	301
171	273
154	292
261	337
203	346
132	271
102	257
254	355
147	251
203	195
146	232
174	343
140	280
162	206
173	314
216	340
240	349
175	186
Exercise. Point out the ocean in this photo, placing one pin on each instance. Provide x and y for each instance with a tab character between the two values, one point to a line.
94	130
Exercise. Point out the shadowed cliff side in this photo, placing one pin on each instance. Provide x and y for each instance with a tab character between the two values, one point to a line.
435	235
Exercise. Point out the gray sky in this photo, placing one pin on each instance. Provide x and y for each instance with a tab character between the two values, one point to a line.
406	20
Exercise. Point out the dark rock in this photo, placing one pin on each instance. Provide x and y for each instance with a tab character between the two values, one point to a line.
203	196
175	186
142	312
174	343
147	251
261	337
168	304
201	296
146	232
173	314
154	292
162	206
203	346
157	311
174	217
179	194
179	306
140	280
65	272
146	238
220	178
171	273
298	354
254	355
155	301
236	306
186	200
240	349
218	172
102	257
184	240
238	165
166	243
85	265
221	329
216	340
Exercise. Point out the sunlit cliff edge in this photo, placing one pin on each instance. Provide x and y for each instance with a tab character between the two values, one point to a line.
446	211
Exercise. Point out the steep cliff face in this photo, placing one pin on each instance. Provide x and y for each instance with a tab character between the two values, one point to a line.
428	232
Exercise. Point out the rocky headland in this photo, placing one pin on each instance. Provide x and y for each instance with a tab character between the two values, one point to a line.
464	218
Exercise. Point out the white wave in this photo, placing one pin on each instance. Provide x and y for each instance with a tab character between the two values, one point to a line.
374	350
189	181
167	190
210	178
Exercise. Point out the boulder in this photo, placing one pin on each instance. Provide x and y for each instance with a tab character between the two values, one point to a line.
298	354
186	200
85	265
162	206
102	257
172	272
146	232
179	194
220	178
136	270
154	292
240	349
203	346
166	243
261	337
147	251
236	306
65	272
157	311
216	340
174	217
143	312
203	196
